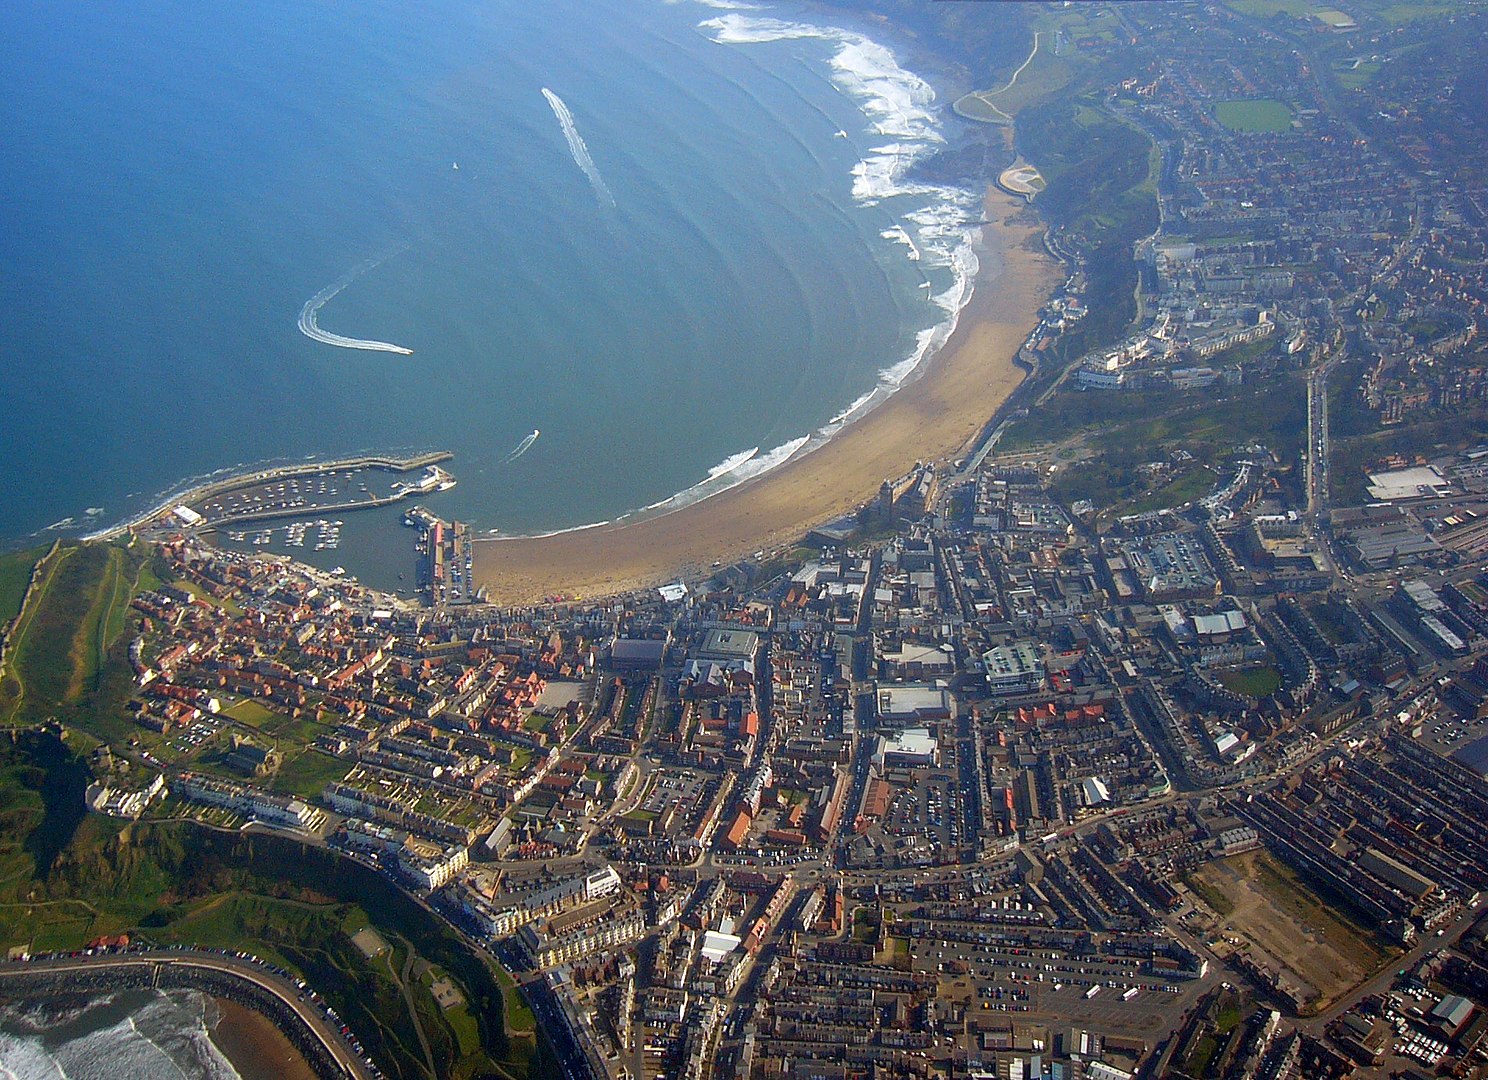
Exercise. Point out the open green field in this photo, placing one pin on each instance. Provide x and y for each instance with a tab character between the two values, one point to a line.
306	773
1334	18
1259	116
250	712
285	731
977	105
1395	14
1039	76
1352	76
61	644
15	575
1265	9
1256	683
1188	486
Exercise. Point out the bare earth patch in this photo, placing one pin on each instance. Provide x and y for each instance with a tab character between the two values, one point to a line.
1287	927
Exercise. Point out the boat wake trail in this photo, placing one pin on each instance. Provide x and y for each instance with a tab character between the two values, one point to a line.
311	310
577	148
522	447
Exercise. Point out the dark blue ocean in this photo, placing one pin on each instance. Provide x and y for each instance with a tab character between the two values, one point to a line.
692	256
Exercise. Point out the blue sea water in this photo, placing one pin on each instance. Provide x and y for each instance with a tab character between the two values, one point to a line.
695	254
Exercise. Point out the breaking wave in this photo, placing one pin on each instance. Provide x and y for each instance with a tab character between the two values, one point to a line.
729	473
576	146
165	1038
730	464
938	233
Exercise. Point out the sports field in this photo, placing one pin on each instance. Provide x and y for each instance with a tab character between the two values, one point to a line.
1261	115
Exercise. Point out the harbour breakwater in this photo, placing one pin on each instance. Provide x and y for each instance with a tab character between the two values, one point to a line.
227	484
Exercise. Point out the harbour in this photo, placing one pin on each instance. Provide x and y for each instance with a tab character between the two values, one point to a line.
303	490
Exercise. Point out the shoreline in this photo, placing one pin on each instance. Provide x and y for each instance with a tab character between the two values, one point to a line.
929	418
255	1046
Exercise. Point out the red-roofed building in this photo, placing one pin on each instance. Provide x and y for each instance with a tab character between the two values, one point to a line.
734	838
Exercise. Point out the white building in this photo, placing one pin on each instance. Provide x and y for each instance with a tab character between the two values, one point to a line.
911	748
549	947
104	799
431	865
259	805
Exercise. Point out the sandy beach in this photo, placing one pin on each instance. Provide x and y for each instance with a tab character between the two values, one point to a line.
934	417
257	1049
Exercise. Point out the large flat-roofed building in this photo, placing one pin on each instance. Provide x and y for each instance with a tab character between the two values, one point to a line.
1393	544
729	645
1013	669
1414	483
911	703
917	660
913	747
1173	565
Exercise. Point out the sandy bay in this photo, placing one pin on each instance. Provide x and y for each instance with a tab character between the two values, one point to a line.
256	1047
932	418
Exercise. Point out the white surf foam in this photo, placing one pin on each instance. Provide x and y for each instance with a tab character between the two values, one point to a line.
577	147
729	473
897	234
899	107
27	1059
720	5
557	532
309	313
166	1038
731	463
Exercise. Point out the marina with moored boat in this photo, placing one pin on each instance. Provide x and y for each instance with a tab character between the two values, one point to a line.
308	490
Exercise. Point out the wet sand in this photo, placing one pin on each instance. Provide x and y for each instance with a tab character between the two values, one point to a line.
933	418
256	1047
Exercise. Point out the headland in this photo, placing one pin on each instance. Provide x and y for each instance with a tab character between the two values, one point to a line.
933	417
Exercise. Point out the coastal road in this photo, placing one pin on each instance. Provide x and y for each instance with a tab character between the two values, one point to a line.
316	1021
